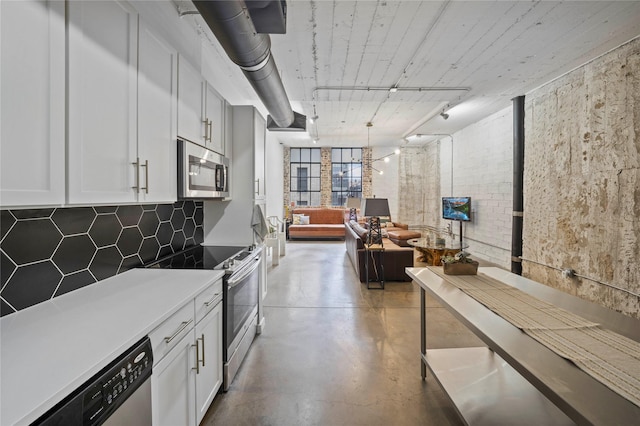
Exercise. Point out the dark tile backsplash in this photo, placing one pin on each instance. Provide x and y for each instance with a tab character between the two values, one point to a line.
49	252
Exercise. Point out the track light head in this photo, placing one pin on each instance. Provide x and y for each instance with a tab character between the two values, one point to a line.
444	115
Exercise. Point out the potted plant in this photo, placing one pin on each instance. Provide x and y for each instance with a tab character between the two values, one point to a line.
459	264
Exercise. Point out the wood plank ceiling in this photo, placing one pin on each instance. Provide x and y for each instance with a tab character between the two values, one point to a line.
339	59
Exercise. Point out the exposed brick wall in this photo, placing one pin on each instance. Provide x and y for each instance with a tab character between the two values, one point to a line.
582	180
286	171
367	179
325	176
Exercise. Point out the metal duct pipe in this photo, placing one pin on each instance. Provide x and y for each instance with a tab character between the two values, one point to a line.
518	185
232	25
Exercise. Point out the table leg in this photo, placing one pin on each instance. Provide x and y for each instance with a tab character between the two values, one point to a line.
423	334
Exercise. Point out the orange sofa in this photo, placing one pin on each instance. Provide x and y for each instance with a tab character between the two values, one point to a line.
324	222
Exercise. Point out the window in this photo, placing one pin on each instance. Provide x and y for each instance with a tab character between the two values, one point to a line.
346	174
305	176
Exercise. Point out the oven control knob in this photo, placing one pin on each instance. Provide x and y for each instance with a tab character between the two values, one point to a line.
231	261
225	264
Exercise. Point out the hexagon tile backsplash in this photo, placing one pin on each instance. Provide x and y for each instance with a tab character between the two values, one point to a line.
49	252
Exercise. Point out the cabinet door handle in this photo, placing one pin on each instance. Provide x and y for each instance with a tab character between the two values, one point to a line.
206	129
182	326
197	367
146	176
210	302
136	165
210	131
198	361
202	338
258	186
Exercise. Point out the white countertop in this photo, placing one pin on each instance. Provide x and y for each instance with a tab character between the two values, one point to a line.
50	349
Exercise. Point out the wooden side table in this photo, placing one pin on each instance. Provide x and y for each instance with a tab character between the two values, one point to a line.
431	254
371	250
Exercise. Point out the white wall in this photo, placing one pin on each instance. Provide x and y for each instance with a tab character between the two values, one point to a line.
387	184
274	172
482	169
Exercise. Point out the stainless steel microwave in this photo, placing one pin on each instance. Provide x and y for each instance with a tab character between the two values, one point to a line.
202	173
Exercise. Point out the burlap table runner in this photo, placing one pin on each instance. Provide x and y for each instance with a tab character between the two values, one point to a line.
608	357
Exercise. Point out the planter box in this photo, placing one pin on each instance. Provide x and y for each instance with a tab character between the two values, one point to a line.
460	268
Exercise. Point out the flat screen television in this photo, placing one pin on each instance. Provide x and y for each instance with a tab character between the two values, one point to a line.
456	208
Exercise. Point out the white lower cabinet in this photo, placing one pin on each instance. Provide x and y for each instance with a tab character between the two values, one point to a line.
209	378
172	386
187	375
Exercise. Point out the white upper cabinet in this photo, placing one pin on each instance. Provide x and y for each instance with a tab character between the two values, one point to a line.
191	125
228	130
103	52
249	136
259	127
157	118
201	109
214	110
32	138
122	108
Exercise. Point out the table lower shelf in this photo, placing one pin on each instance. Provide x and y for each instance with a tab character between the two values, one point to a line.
486	390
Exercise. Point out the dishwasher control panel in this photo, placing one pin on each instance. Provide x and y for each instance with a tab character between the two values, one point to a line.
99	397
117	383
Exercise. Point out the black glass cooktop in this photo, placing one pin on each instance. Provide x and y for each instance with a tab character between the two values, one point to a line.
198	257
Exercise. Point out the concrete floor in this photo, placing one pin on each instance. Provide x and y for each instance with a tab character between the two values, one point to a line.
335	353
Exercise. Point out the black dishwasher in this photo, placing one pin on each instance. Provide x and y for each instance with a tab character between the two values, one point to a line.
119	394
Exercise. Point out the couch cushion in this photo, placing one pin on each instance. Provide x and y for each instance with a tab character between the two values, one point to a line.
297	219
359	229
401	236
316	231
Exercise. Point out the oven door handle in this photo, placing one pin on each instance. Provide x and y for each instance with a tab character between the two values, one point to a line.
233	280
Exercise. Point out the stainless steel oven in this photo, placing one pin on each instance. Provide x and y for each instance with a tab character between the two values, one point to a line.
202	173
240	311
243	271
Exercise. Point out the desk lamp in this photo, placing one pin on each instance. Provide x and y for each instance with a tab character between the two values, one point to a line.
373	208
353	203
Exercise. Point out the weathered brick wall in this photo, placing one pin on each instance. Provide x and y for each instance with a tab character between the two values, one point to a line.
582	181
419	185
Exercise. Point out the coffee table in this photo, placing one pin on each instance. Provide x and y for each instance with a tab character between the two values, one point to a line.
430	253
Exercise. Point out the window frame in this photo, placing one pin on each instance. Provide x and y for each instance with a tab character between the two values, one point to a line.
308	197
338	192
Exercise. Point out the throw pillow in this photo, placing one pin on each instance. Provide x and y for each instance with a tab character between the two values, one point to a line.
304	220
296	219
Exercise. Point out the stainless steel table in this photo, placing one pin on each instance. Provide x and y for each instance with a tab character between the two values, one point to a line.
516	380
